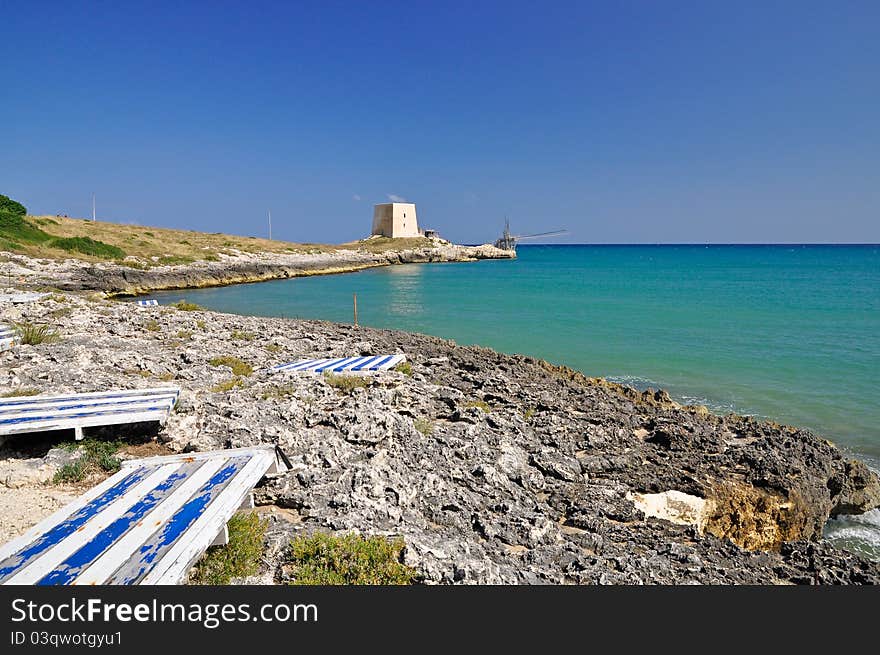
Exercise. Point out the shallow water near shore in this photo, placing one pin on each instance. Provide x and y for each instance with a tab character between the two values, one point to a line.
789	333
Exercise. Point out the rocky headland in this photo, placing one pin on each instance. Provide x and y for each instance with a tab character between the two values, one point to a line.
493	468
229	267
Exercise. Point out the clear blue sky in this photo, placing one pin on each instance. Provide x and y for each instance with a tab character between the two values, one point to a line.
654	121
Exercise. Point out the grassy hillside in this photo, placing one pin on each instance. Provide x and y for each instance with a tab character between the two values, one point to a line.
55	237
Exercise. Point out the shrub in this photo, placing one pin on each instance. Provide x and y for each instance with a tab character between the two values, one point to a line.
185	306
33	335
238	366
152	325
350	559
273	348
238	558
88	246
10	206
240	335
405	368
184	334
345	383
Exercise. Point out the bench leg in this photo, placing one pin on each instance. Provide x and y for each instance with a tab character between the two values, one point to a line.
247	503
222	537
78	434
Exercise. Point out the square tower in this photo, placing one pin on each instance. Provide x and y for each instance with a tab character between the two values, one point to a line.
395	219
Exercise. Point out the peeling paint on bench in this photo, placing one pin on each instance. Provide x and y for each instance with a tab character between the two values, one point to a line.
146	524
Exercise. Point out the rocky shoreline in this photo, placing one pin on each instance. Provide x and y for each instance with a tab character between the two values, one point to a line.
492	468
117	278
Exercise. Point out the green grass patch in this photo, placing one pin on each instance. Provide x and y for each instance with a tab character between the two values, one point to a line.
97	456
88	246
238	558
424	425
345	383
238	366
528	414
273	348
323	559
185	306
184	334
33	335
200	325
152	325
227	385
17	229
405	368
240	335
174	260
21	391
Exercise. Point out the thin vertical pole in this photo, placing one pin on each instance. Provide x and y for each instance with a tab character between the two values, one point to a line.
270	225
93	206
355	310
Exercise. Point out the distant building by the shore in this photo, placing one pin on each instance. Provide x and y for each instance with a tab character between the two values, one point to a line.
395	220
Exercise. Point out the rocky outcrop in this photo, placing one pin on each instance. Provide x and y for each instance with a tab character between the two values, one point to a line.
116	278
493	468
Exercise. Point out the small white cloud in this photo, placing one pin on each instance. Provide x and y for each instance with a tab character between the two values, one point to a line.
356	197
393	197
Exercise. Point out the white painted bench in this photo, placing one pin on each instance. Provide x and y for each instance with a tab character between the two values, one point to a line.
146	524
352	365
8	336
147	303
19	415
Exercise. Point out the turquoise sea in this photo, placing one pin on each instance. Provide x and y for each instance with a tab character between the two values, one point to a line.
787	332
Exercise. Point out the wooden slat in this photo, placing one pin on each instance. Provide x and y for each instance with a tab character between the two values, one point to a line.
147	524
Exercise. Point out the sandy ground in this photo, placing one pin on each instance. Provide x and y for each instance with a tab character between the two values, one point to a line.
24	507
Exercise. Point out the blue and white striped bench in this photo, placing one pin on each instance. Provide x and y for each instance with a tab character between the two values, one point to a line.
8	336
146	524
81	410
354	365
146	303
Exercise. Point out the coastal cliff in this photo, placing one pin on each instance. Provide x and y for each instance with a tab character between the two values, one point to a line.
492	468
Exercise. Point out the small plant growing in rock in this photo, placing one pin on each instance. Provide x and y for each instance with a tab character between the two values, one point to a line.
184	334
345	383
152	325
239	335
97	456
185	306
273	348
200	325
424	425
238	366
405	368
277	391
227	385
479	404
33	335
528	414
21	391
238	558
350	559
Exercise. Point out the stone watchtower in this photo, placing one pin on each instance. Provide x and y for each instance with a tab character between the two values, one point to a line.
395	219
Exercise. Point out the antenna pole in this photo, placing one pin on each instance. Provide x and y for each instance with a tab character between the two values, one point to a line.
93	206
270	225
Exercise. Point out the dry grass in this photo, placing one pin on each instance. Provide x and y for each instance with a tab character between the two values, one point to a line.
384	244
167	245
